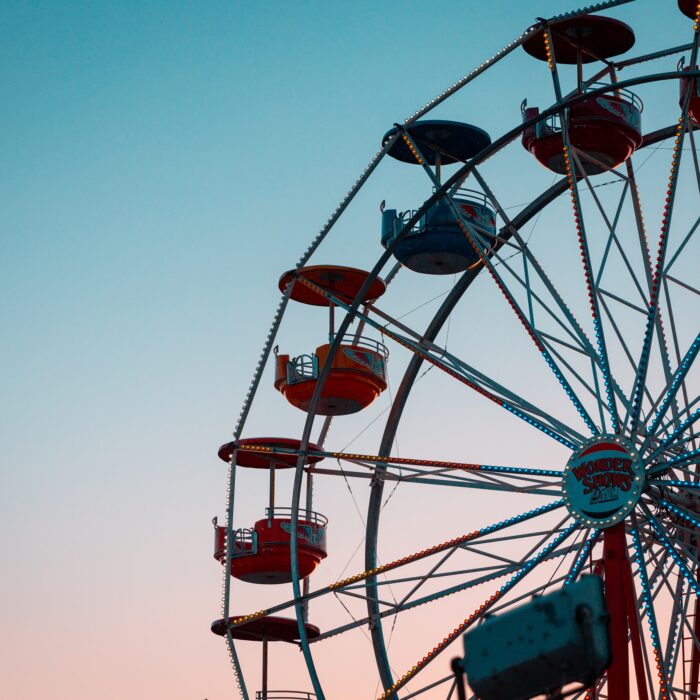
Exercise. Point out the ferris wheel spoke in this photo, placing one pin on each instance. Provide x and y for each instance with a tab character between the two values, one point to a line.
592	286
681	473
355	457
681	443
545	339
680	283
523	281
477	243
679	616
485	476
593	391
460	370
675	482
496	479
583	245
478	613
679	612
682	246
613	238
436	574
677	380
509	562
689	519
658	582
646	261
676	413
678	431
539	590
416	556
649	614
487	483
671	190
508	483
682	529
431	686
658	559
393	609
661	572
696	164
668	546
660	566
620	300
575	331
441	464
482	251
623	344
679	461
584	552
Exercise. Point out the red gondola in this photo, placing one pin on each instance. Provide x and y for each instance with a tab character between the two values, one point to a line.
265	629
604	129
262	554
689	8
267	452
269	628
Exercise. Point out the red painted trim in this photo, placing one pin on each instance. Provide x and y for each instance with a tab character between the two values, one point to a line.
695	656
615	557
603	446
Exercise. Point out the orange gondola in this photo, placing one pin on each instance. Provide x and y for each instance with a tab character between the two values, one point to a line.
356	378
357	373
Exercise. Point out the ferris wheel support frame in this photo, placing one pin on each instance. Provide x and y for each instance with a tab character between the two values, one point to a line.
344	325
409	378
416	360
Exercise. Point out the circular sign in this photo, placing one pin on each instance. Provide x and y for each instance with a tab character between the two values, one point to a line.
602	481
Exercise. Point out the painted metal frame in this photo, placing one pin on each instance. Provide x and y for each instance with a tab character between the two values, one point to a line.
645	527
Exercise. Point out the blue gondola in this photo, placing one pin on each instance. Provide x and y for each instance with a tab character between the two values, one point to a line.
438	244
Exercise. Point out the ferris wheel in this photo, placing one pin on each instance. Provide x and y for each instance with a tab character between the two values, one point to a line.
603	307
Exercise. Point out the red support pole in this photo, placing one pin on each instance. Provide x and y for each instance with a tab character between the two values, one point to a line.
695	655
635	632
615	558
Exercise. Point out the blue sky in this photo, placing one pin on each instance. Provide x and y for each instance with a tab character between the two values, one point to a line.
163	163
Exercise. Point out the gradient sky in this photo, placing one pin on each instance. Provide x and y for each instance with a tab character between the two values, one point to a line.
163	163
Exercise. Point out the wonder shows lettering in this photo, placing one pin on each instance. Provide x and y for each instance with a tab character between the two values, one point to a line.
605	472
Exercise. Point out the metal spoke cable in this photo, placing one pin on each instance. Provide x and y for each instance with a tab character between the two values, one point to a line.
476	615
474	240
671	189
468	537
589	277
441	364
649	613
676	381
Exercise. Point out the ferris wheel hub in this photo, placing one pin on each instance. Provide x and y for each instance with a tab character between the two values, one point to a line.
603	481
